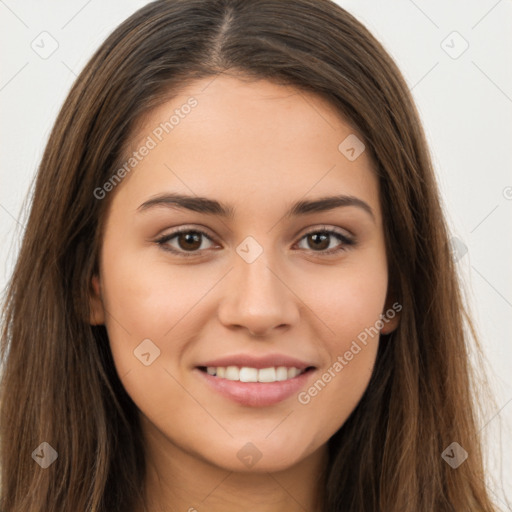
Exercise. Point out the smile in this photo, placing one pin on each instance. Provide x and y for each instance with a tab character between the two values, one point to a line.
248	374
253	387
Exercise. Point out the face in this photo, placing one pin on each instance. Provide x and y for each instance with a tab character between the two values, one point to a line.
243	325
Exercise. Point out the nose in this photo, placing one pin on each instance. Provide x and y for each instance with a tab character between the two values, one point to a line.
258	299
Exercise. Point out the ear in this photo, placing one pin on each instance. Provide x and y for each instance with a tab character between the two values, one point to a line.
391	314
96	303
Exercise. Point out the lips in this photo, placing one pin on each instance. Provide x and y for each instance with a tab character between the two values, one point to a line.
255	381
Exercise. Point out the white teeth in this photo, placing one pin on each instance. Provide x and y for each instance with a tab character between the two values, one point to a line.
267	375
232	373
293	372
248	374
281	373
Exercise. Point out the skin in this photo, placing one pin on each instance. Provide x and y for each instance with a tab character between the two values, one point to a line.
258	147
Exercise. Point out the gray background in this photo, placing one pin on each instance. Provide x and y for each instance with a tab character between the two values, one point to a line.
464	96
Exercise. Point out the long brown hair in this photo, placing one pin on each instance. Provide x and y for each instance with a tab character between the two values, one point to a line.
59	384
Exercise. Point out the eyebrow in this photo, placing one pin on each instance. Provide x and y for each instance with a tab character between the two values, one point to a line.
213	207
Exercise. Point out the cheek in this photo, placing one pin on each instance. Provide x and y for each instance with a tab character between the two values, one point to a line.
331	396
147	289
347	299
349	304
149	323
142	301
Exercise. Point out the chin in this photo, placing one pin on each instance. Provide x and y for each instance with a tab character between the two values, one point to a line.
258	456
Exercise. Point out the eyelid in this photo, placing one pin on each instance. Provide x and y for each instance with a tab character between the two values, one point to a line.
332	229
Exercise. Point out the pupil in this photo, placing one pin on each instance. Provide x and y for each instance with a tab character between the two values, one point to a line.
192	238
322	237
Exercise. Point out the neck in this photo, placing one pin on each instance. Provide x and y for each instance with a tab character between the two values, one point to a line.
180	481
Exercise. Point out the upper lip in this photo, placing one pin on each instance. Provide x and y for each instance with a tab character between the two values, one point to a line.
270	360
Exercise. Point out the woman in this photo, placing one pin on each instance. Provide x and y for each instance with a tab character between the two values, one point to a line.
235	290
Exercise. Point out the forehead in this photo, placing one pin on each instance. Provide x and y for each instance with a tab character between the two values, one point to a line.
232	138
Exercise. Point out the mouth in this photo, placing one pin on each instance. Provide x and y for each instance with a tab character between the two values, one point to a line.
249	374
255	387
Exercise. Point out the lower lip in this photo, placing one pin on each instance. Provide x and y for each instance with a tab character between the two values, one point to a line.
256	394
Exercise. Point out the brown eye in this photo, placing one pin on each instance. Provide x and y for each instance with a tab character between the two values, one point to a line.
185	242
189	241
320	241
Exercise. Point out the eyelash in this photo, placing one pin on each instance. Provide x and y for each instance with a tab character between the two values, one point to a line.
346	241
